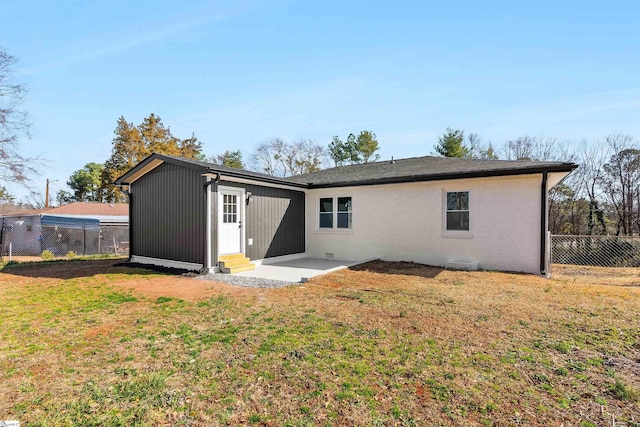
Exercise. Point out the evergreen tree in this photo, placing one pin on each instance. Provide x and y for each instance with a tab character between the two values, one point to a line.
232	159
338	151
85	183
451	144
366	146
131	144
356	149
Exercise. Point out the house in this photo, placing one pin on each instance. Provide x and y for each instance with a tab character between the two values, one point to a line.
82	227
449	212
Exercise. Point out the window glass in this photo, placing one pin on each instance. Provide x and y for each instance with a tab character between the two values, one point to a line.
344	212
326	213
458	201
229	208
457	211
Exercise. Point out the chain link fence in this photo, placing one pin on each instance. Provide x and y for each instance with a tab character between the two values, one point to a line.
599	251
31	236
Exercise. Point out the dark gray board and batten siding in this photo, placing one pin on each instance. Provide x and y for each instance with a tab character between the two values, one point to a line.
168	214
274	220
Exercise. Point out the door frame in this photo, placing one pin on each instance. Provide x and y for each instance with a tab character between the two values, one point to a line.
241	214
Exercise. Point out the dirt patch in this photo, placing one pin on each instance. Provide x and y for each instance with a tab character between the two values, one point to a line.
66	269
185	288
159	282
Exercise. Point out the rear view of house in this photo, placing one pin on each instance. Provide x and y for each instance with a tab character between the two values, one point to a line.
458	213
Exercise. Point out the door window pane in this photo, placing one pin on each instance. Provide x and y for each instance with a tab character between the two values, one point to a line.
229	208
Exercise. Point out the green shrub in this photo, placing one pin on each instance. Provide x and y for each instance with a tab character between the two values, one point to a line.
47	255
71	254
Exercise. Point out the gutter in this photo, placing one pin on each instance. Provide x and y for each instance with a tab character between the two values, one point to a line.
543	225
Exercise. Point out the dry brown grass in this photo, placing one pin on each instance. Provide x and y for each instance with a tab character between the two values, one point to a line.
381	344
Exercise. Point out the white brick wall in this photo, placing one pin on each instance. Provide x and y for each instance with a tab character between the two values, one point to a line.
404	222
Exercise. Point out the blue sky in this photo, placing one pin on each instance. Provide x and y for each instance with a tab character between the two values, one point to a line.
240	72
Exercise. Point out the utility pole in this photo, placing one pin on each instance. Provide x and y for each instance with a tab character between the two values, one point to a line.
46	197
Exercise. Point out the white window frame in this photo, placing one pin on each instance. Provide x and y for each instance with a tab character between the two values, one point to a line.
460	234
334	228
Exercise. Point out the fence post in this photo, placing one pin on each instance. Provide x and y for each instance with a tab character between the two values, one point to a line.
84	239
2	238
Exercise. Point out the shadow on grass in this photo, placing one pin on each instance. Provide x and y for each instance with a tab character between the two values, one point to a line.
402	268
71	269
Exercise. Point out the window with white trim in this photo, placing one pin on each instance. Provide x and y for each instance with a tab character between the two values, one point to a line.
457	211
335	213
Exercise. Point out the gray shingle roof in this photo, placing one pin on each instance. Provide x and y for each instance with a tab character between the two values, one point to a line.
424	169
427	168
205	167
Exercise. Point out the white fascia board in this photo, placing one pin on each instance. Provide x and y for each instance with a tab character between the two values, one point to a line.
144	170
555	178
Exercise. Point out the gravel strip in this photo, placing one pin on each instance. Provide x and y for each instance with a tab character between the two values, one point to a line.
243	281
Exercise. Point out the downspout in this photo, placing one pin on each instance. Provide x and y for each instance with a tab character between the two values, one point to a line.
127	192
215	215
543	225
207	187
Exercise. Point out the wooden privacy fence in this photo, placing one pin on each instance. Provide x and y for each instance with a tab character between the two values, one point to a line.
600	251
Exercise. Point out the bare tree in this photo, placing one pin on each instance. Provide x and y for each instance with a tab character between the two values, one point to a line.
567	210
304	156
477	149
567	206
14	123
533	148
279	158
621	181
267	157
587	180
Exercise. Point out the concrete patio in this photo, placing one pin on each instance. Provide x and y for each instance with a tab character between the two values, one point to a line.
297	270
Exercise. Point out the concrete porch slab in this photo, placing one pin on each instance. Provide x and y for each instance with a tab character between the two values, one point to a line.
297	270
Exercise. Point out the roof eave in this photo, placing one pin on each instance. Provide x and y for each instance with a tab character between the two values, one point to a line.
155	160
564	167
148	164
265	179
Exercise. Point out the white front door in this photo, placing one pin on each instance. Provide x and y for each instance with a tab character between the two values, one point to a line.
230	220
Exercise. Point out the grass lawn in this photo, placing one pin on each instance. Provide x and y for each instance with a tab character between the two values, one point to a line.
92	343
